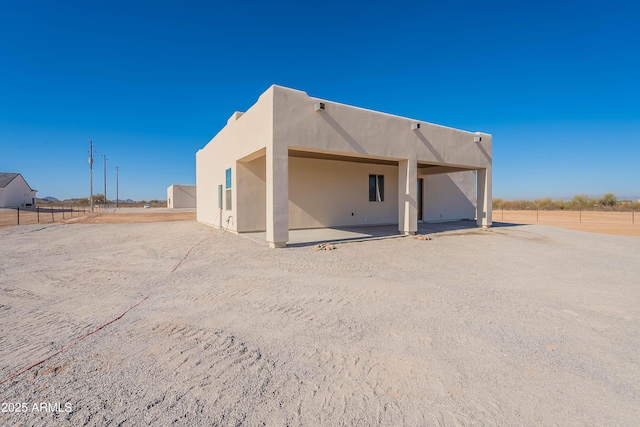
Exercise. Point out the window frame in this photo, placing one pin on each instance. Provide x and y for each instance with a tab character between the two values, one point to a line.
228	179
376	188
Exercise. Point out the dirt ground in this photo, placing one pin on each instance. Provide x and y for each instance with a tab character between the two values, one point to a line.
133	218
522	325
8	217
618	223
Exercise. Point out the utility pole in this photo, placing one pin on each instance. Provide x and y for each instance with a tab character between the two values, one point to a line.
104	156
117	197
91	152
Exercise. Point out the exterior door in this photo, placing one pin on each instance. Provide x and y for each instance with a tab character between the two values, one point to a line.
420	195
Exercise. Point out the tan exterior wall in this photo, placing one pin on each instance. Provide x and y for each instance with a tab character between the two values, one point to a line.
449	197
243	135
274	191
251	181
325	193
322	193
181	196
359	132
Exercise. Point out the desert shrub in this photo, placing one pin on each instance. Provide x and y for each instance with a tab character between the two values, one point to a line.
608	199
545	204
607	202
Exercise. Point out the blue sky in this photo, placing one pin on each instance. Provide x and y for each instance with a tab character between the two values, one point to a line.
556	83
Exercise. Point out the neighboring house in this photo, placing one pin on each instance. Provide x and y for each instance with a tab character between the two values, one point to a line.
293	161
15	192
181	196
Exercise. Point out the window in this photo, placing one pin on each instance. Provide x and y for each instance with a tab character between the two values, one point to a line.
228	189
376	188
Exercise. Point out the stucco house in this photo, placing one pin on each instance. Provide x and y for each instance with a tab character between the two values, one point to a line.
293	161
15	192
181	196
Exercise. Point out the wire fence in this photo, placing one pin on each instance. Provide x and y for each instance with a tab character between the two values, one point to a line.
566	216
42	214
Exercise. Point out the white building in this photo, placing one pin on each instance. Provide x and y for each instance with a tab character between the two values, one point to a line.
15	192
181	196
293	162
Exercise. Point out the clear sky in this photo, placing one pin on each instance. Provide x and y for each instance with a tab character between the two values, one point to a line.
557	83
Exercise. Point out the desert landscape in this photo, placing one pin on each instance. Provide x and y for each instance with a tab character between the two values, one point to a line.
520	325
619	223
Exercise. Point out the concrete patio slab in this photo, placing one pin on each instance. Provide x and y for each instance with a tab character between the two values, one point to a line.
309	237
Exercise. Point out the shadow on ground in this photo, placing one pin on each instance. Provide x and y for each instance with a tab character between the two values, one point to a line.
310	237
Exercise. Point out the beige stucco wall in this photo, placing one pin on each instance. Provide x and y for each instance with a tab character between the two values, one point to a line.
243	135
322	193
251	193
181	196
346	129
276	192
325	193
449	197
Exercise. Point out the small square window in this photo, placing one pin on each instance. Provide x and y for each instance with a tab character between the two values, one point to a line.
376	188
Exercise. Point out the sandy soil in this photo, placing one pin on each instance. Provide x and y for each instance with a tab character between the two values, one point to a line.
133	217
47	215
618	223
524	325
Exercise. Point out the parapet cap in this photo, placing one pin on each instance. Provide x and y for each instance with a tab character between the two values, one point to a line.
235	116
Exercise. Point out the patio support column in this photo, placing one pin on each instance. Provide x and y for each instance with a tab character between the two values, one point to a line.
277	195
407	196
484	199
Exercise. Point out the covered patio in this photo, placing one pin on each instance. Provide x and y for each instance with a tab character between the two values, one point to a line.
314	236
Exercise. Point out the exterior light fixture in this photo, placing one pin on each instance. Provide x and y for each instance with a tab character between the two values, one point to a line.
319	106
477	138
415	126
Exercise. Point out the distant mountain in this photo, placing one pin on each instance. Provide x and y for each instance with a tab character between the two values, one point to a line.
49	199
126	201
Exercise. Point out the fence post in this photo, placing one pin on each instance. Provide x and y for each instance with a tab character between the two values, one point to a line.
62	211
52	218
537	215
38	214
18	211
